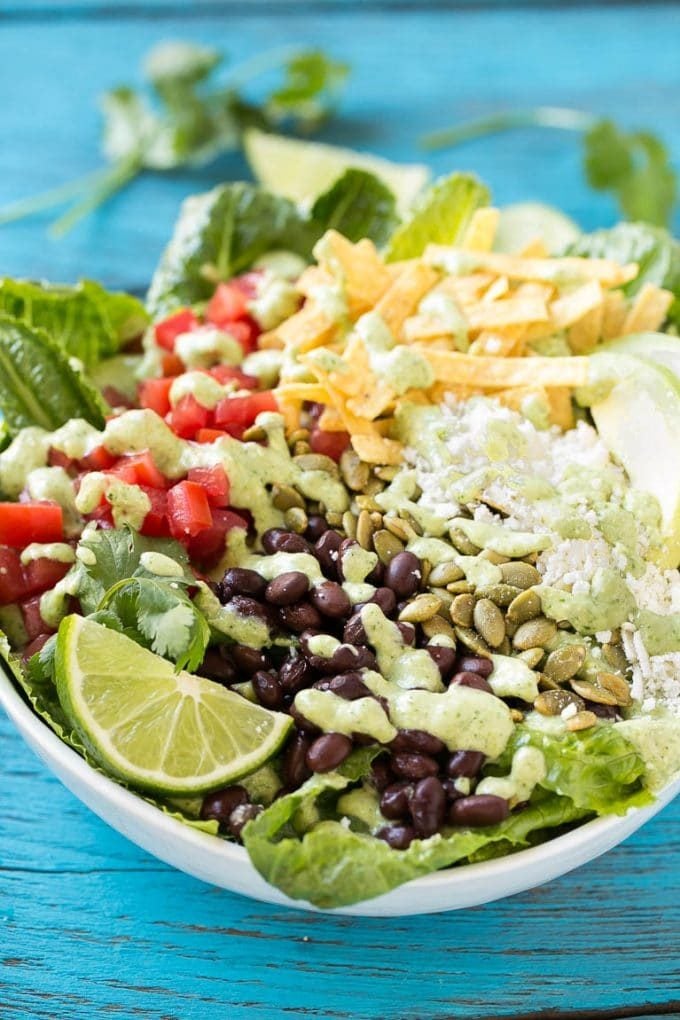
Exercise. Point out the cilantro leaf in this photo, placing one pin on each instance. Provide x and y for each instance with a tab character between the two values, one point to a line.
310	90
357	205
440	216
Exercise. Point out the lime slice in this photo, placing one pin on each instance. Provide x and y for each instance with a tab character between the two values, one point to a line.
301	170
524	222
167	732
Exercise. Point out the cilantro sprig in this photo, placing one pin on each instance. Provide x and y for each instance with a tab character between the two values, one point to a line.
634	166
188	117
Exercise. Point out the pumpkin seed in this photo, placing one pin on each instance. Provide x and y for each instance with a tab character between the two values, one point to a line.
387	473
524	606
532	656
521	575
565	662
489	622
581	721
423	607
510	627
300	448
593	691
436	626
462	609
491	556
377	519
530	559
555	702
546	684
355	473
462	543
285	497
413	523
386	545
616	686
501	594
300	435
505	647
349	524
535	633
333	518
472	640
460	587
517	716
364	530
374	486
445	573
316	462
254	434
296	520
444	596
366	502
615	657
399	528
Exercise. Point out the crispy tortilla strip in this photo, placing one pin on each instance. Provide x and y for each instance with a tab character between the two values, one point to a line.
497	344
535	249
585	333
376	449
424	327
402	299
561	407
498	289
307	329
330	421
312	278
556	400
569	269
270	341
615	309
373	400
357	266
481	231
569	308
502	373
299	392
649	310
507	312
465	289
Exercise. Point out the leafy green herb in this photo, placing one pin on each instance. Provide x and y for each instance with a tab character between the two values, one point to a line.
39	385
189	119
634	166
440	216
89	322
357	205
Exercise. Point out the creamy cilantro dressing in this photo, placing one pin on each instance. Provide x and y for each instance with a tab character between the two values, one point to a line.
129	503
444	309
207	346
243	630
206	390
396	365
161	565
400	664
527	770
512	678
276	300
54	484
59	552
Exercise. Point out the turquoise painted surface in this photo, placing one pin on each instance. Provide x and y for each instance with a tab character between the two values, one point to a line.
90	926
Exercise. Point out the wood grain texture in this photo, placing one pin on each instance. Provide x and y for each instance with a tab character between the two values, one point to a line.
92	927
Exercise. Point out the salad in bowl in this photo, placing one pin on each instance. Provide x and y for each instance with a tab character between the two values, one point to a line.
357	544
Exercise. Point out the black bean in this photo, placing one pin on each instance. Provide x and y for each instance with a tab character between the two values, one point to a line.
349	686
474	680
464	763
475	664
249	607
354	633
409	765
331	600
248	660
428	806
418	741
444	658
219	666
394	802
220	804
294	674
268	689
328	751
270	539
326	552
316	527
479	809
299	617
408	632
365	658
244	582
287	588
602	711
381	773
399	837
294	768
240	816
384	598
403	574
450	789
377	575
348	657
278	540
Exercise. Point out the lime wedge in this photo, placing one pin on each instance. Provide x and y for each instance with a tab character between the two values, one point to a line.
167	732
301	170
524	222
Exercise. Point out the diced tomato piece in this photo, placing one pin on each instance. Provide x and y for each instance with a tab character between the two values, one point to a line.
167	331
188	510
98	459
227	373
332	444
246	331
249	282
156	523
172	364
103	514
116	398
33	621
235	414
155	395
56	458
23	523
228	303
188	416
41	575
215	482
12	580
140	469
210	435
207	547
34	646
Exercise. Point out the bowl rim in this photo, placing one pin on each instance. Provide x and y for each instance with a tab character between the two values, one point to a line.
23	716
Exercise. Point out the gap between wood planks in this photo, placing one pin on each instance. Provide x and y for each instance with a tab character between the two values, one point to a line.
670	1009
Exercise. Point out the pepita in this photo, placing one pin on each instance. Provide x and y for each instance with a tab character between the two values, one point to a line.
349	524
501	594
355	473
423	607
462	587
300	435
462	543
300	448
593	691
462	609
489	622
366	502
444	596
491	556
615	657
505	648
386	545
581	721
517	716
555	702
285	497
333	518
414	524
616	686
445	573
364	533
387	473
374	486
296	520
316	462
565	662
254	434
546	684
524	606
399	528
532	656
436	626
535	633
472	640
519	574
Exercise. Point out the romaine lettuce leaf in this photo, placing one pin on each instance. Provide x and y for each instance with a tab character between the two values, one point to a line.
38	383
357	205
440	216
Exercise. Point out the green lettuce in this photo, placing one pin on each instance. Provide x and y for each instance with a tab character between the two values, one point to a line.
357	205
440	216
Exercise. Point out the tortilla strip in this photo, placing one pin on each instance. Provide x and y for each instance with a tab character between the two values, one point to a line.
357	266
649	310
501	373
569	308
306	329
377	450
507	312
585	333
615	309
571	268
402	299
481	230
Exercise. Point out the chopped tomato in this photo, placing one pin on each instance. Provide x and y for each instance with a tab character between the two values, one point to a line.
139	469
98	459
228	303
156	523
188	510
188	416
116	398
57	458
227	373
34	646
42	574
23	523
33	621
155	395
215	483
207	547
172	364
332	444
167	331
12	580
210	435
246	331
235	414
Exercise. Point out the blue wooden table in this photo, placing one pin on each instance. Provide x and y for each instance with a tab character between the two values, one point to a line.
92	927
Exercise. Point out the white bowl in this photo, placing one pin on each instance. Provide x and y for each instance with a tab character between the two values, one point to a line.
227	865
